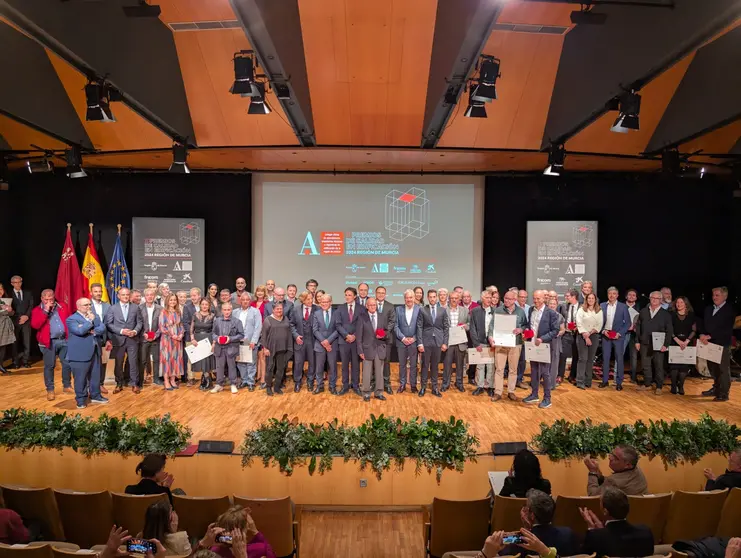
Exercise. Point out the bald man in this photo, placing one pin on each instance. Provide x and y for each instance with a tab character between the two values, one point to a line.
83	352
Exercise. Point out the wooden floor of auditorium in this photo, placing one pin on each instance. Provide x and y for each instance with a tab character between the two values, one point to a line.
225	416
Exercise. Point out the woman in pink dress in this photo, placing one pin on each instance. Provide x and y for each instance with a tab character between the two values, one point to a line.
171	342
258	302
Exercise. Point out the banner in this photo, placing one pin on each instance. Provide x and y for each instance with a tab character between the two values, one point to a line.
561	255
169	251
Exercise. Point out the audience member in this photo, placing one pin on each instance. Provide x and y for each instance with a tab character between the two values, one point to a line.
626	475
161	524
12	530
494	544
154	479
731	478
524	475
238	523
7	329
615	537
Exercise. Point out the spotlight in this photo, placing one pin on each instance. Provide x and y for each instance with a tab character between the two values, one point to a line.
486	90
476	109
39	166
179	158
630	108
73	157
258	104
282	91
244	74
556	157
98	99
670	162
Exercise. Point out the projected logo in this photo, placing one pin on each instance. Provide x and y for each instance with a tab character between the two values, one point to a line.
407	214
190	233
582	236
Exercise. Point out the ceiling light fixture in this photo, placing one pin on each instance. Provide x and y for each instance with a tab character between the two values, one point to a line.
73	156
244	74
258	104
179	158
556	157
630	108
98	96
39	166
476	109
488	68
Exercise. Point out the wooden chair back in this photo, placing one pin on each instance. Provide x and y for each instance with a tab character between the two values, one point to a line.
195	514
730	516
505	515
129	510
693	515
274	519
37	504
458	525
567	511
87	517
650	510
43	551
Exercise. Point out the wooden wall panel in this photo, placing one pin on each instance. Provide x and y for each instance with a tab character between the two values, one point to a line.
655	97
220	118
179	11
21	137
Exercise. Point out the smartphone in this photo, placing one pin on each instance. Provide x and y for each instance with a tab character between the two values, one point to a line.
140	546
224	539
513	539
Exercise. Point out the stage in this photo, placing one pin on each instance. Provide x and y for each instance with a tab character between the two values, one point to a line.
225	416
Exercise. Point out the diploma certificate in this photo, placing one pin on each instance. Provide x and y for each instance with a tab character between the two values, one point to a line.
657	340
245	354
486	356
711	352
539	353
196	354
457	335
678	356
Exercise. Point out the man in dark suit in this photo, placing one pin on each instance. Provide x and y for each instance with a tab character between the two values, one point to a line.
149	339
631	298
22	305
373	335
226	337
435	331
303	341
363	289
616	537
544	322
124	323
615	326
387	308
83	352
279	297
653	319
717	327
481	317
731	478
100	309
189	310
324	328
537	517
347	322
408	333
568	341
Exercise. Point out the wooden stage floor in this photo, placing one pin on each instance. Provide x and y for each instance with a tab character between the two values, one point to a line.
225	416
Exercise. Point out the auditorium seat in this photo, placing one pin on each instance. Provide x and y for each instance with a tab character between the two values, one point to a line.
505	516
68	553
730	516
693	515
128	510
87	517
452	526
650	510
195	513
35	504
275	519
43	551
567	511
57	545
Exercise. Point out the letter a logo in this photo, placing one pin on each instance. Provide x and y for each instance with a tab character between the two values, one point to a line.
308	248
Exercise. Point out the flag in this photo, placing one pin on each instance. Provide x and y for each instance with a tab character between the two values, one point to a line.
118	273
69	280
91	271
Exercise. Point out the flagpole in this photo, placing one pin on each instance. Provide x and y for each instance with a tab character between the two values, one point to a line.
119	229
91	228
69	227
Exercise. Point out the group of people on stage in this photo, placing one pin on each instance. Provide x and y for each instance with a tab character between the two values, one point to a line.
254	337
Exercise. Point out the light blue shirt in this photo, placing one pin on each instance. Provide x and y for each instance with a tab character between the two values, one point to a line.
56	327
718	307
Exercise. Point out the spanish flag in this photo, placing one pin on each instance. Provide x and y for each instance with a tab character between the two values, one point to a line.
91	271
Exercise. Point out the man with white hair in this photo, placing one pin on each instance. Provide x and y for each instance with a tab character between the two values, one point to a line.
124	324
653	319
545	325
83	352
481	318
251	321
161	299
408	333
717	327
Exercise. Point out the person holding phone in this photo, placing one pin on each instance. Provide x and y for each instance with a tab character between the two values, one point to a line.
161	524
239	537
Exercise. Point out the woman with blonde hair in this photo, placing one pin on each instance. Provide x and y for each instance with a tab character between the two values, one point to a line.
7	330
171	342
588	323
237	524
261	297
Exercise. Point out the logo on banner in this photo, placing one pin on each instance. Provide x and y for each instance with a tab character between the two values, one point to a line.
548	268
176	267
154	266
579	280
308	248
190	233
186	278
380	268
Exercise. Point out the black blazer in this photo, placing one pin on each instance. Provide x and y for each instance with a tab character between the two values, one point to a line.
517	489
562	539
718	327
619	538
148	486
21	307
647	325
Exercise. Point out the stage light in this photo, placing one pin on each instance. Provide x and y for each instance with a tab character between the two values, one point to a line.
630	108
179	158
73	157
556	157
485	91
476	109
244	74
258	104
702	172
39	166
282	91
98	99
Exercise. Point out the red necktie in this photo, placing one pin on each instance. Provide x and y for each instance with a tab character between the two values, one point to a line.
349	310
306	314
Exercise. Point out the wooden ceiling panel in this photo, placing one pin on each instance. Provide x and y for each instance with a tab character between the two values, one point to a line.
720	141
179	11
130	131
534	13
220	118
368	65
655	97
22	137
517	118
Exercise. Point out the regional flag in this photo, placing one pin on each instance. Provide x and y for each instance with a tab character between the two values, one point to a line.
91	271
69	280
118	273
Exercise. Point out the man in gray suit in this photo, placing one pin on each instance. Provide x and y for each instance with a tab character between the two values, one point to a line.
373	334
227	336
457	315
324	327
149	339
435	331
385	307
100	308
123	322
408	333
